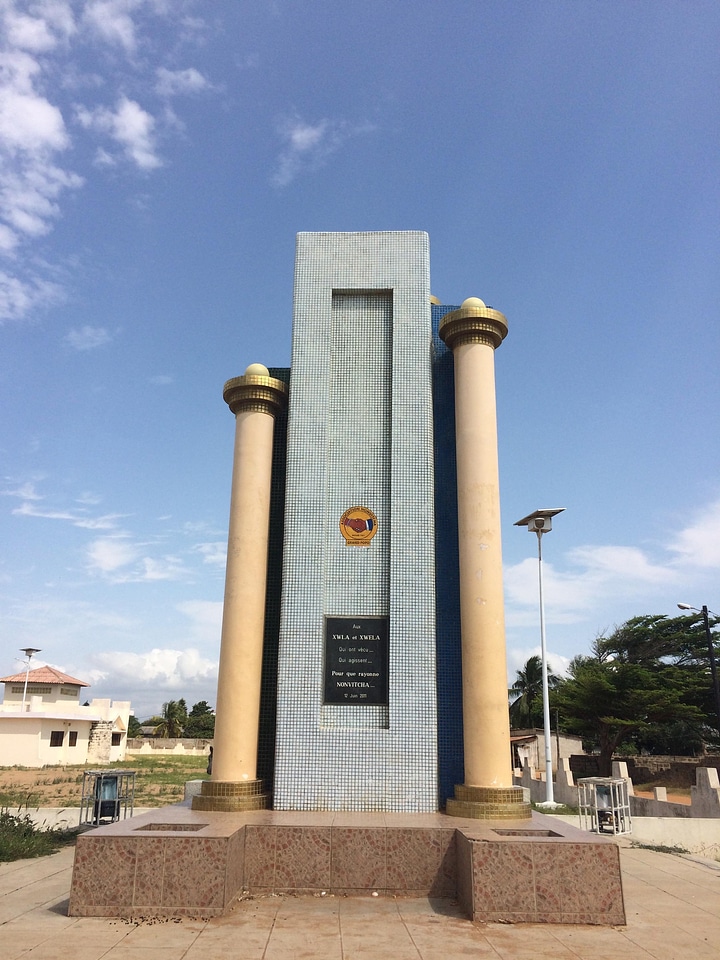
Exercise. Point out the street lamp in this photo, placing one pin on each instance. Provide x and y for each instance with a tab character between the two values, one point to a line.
540	522
711	652
28	651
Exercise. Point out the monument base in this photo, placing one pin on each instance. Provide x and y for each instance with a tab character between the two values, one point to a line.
231	796
176	861
489	803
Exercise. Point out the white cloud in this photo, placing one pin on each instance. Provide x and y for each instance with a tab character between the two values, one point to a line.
58	14
111	20
38	63
605	563
567	595
28	33
205	618
78	519
88	499
303	136
88	338
161	380
121	560
166	568
166	669
698	545
32	131
25	491
517	657
596	573
29	198
109	554
213	553
172	82
28	121
20	295
130	126
308	145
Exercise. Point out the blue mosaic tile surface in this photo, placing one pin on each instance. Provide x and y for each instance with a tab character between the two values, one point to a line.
447	572
359	432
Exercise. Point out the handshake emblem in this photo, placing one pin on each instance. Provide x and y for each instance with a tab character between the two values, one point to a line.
358	525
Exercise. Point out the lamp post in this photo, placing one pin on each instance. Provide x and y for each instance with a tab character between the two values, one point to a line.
540	522
28	651
711	652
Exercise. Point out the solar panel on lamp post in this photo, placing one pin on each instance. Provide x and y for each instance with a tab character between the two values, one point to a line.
540	522
28	651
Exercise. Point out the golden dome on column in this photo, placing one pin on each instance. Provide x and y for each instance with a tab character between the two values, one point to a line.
473	322
255	390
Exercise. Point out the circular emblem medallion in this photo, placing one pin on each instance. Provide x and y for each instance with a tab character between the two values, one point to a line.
358	525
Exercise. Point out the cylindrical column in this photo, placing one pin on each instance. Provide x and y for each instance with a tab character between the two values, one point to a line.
472	333
254	398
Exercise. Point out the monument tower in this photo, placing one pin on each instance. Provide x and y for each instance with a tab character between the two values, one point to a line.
362	664
368	690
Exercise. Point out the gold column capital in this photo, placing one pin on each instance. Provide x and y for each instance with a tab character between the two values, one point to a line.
256	392
473	322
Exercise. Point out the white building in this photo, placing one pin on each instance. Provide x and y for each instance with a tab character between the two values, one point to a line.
46	724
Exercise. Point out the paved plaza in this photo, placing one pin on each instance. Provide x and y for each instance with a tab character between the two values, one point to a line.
672	905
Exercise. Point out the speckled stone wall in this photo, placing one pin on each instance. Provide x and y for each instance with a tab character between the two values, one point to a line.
359	433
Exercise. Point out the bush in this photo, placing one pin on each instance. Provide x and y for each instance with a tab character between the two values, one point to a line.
21	839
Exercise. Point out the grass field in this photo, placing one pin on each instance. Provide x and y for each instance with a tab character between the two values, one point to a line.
159	781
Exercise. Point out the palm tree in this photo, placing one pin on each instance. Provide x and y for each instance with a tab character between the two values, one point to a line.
174	716
526	708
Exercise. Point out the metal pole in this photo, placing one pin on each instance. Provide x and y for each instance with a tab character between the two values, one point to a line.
27	674
549	797
713	667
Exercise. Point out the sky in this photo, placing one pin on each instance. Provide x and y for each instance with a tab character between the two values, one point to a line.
158	158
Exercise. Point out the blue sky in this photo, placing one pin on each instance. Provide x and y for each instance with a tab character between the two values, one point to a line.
158	158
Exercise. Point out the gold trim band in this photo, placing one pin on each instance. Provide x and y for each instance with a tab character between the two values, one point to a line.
488	803
473	325
231	796
257	393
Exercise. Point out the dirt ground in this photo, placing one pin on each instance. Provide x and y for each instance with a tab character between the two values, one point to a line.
62	787
672	797
50	787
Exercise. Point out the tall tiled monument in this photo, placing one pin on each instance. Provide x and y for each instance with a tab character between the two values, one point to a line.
383	555
362	681
357	711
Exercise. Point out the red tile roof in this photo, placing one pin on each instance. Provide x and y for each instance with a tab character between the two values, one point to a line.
44	675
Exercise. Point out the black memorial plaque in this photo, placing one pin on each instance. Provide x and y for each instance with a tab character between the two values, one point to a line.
356	660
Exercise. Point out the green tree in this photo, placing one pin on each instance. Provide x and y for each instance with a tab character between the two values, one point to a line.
526	708
174	718
201	721
134	727
647	681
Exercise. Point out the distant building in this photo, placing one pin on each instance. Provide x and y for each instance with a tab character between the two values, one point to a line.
528	746
47	724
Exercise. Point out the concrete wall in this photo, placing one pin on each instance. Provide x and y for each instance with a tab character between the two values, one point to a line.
147	746
705	795
694	835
